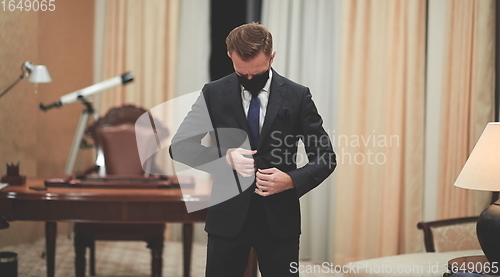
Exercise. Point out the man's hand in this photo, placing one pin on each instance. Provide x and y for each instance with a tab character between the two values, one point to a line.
235	157
272	180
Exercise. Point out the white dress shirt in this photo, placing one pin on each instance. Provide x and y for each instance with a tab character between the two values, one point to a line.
246	97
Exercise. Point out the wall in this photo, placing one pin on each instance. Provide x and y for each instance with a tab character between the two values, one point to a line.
40	141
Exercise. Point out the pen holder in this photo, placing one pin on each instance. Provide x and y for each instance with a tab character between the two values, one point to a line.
13	178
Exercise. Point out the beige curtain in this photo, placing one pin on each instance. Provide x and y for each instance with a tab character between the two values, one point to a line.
467	99
379	141
141	37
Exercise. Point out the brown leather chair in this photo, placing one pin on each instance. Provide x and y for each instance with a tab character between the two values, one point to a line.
450	234
114	134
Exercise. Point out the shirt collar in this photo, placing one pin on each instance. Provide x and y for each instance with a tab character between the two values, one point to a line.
267	86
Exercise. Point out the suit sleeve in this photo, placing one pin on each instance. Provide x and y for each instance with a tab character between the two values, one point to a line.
322	160
186	144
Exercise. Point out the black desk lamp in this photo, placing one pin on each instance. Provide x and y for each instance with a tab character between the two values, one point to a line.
482	172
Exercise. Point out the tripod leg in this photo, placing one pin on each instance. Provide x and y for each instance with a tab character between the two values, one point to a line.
75	146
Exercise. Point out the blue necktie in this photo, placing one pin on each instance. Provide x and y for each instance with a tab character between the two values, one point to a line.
253	120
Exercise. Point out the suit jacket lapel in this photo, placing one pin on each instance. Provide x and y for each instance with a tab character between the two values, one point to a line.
274	104
276	97
233	91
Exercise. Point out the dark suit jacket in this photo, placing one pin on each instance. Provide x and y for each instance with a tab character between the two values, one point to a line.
291	115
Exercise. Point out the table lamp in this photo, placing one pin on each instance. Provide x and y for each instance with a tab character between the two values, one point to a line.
482	172
37	73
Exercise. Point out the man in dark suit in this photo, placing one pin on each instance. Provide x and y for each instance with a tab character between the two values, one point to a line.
256	118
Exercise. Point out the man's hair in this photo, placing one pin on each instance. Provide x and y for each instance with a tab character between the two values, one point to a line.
248	40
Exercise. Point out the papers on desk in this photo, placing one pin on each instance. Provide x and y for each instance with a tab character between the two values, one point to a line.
3	185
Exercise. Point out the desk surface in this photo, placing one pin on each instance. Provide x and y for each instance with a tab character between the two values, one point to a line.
24	192
101	205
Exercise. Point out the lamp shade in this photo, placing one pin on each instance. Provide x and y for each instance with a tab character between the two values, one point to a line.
482	169
40	74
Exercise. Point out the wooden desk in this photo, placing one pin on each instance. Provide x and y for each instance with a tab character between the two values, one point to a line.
99	205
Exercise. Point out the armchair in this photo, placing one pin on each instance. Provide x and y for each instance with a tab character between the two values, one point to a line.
444	240
450	234
114	135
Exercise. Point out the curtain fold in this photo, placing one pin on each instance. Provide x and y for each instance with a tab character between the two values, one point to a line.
380	129
114	52
467	100
141	37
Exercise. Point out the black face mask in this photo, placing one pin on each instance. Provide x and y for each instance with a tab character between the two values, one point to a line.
255	84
